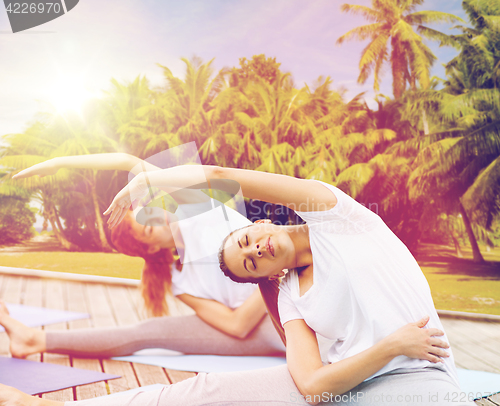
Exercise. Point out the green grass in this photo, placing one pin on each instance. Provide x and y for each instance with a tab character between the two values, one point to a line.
456	284
89	263
460	284
463	293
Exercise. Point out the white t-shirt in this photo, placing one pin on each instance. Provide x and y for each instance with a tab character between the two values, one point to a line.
203	227
366	284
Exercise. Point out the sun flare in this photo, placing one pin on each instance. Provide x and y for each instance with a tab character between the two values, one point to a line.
68	93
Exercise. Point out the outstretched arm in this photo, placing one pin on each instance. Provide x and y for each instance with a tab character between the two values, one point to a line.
238	322
313	379
112	161
297	194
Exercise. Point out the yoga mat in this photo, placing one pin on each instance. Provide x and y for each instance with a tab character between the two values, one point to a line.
41	316
478	383
201	363
37	377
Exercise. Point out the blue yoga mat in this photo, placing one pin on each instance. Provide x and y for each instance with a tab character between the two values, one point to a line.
37	377
201	363
478	383
40	316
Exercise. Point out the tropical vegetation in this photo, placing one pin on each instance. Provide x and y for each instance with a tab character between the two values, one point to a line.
427	159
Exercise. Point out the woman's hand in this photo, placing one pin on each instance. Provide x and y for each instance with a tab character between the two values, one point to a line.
42	169
12	397
136	189
414	341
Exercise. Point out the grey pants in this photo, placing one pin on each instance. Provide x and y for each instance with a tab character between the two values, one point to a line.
275	387
187	334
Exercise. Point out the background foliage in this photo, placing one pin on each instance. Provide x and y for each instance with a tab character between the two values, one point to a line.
427	160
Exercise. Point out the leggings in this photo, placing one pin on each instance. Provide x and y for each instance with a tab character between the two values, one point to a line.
187	334
429	386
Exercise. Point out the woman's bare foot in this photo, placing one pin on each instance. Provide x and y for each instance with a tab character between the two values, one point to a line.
24	340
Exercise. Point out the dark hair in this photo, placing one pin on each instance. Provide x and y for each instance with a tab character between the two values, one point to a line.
225	269
156	277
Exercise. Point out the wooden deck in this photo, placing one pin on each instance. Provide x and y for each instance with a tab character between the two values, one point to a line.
476	345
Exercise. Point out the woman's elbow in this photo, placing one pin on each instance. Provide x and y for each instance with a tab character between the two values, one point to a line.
214	172
239	330
308	390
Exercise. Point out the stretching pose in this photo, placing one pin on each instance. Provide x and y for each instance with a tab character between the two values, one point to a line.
230	318
353	282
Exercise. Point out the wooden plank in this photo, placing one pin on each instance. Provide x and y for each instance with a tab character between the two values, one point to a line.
13	289
98	306
178	376
33	296
91	390
462	338
150	374
484	402
1	285
102	314
55	299
11	293
128	379
77	303
123	310
485	334
137	302
125	313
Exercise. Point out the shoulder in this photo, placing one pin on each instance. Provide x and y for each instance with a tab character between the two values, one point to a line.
319	196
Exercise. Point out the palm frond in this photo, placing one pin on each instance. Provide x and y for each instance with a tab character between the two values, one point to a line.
367	12
434	35
362	33
482	199
426	17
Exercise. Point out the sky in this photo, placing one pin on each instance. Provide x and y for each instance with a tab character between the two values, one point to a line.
75	56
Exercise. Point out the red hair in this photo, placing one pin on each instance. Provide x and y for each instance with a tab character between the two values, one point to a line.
156	278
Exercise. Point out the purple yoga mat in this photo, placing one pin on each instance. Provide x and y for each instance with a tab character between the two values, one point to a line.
36	377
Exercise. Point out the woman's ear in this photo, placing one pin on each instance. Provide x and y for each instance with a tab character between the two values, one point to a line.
153	249
278	275
266	221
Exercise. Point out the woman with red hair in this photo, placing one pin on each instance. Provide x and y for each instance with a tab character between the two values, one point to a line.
230	318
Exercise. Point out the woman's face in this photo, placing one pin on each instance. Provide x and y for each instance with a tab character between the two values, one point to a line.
152	228
260	250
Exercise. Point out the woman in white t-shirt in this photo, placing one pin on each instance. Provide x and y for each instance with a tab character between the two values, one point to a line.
230	318
378	354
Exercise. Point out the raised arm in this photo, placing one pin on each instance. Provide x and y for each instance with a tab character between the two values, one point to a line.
112	161
297	194
313	379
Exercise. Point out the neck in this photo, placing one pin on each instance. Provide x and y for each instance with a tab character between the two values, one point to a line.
300	238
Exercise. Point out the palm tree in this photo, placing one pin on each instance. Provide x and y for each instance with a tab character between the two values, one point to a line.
393	21
62	135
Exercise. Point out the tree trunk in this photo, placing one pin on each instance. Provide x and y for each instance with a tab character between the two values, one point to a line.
425	122
100	227
477	257
54	221
457	247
